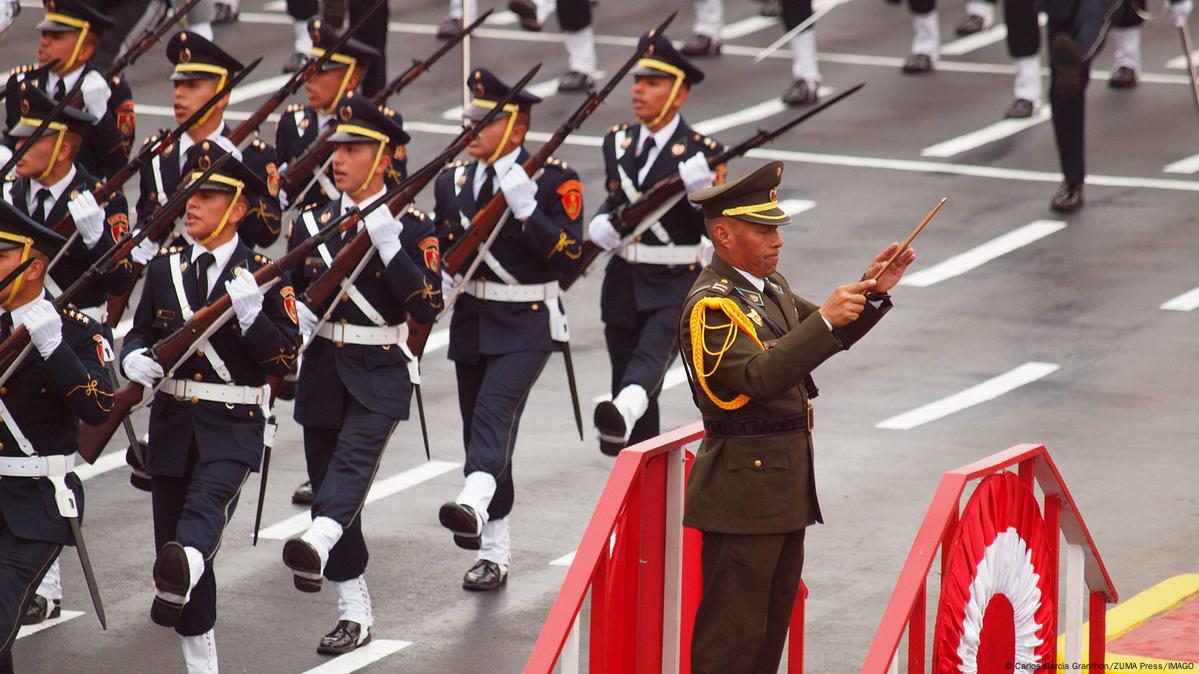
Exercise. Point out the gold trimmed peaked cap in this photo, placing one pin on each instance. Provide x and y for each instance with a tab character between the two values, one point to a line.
196	57
36	105
361	121
488	90
16	228
663	60
752	198
324	36
64	16
232	174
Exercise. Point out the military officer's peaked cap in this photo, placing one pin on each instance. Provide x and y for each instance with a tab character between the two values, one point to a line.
17	229
354	51
231	176
488	90
67	15
752	198
361	121
663	60
36	105
196	57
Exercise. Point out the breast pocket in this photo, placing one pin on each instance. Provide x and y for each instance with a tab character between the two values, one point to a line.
758	459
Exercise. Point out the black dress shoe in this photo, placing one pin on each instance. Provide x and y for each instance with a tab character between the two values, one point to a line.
701	45
137	475
771	8
449	28
611	426
799	93
1123	78
462	520
303	494
526	11
294	63
305	563
40	610
225	14
575	82
1068	198
484	576
1021	108
918	64
172	580
344	638
1066	63
971	24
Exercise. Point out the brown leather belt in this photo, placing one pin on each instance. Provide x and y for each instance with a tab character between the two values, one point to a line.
757	428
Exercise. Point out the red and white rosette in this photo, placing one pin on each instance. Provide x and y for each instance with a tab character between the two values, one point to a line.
995	608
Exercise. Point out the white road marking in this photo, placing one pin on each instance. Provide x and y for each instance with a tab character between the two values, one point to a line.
979	255
1188	165
297	524
985	38
275	6
104	464
503	17
438	339
356	659
541	90
796	206
980	393
1180	62
245	92
123	328
747	115
986	135
1188	301
564	560
27	630
736	29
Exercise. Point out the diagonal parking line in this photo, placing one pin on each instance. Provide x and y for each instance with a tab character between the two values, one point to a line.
1186	165
27	630
986	135
979	255
975	395
1188	301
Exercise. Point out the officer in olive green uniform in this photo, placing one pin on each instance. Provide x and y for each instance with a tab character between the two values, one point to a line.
750	346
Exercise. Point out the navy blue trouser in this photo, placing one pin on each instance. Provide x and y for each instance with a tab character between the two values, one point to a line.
491	396
22	565
641	356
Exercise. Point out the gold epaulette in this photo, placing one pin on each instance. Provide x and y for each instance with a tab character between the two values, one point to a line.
76	316
258	144
418	213
738	322
295	107
21	70
618	127
557	163
169	250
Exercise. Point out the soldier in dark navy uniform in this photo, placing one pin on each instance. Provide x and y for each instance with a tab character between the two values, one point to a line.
202	69
208	419
300	124
70	32
61	382
649	274
356	380
509	318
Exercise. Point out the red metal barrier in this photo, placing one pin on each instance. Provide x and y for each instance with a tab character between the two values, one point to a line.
642	568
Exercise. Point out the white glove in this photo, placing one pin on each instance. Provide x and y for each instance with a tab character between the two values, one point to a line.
308	320
447	285
44	325
95	94
695	173
143	252
1181	12
384	231
602	233
247	299
5	152
88	217
9	9
519	192
143	369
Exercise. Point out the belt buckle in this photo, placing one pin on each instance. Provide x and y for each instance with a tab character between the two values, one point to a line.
337	327
811	416
176	393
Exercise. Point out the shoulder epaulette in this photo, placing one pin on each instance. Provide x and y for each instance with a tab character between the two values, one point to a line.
721	287
554	161
169	250
618	127
20	70
76	316
259	144
261	259
420	215
295	107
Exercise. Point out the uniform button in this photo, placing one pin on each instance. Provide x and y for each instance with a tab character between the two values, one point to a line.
690	267
535	306
387	347
637	238
200	352
1	446
3	390
757	464
195	400
198	377
251	414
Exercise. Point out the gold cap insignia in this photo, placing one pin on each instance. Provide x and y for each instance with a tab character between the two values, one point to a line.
185	54
774	194
479	90
204	162
24	104
347	113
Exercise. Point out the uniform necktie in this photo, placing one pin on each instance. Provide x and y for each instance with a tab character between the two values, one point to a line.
5	326
202	264
60	90
39	208
487	191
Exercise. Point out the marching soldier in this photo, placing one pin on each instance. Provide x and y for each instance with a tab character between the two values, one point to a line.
750	346
207	421
201	69
71	31
1126	39
509	318
62	382
356	380
648	277
574	18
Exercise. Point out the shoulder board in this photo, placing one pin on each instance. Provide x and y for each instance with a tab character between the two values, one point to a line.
295	107
259	144
22	69
618	127
261	259
458	163
721	288
555	162
311	206
116	80
416	212
75	316
169	250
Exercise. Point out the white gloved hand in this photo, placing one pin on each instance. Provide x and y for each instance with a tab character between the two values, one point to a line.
95	94
384	231
602	233
143	252
695	173
141	368
519	192
1181	12
447	285
246	297
308	320
9	9
44	325
88	217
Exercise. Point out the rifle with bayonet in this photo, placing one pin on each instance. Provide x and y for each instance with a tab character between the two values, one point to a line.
148	40
661	197
243	130
32	75
300	171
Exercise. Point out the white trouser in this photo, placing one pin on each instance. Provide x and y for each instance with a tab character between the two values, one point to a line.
709	18
982	9
354	602
199	653
926	35
322	535
51	587
497	542
302	41
456	9
580	50
803	58
1028	79
1127	47
477	492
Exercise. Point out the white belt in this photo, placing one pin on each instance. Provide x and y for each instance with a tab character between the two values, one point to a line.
36	466
365	335
506	292
184	389
640	253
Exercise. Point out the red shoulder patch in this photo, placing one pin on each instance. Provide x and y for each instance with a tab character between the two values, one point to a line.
126	120
289	303
432	251
571	192
118	226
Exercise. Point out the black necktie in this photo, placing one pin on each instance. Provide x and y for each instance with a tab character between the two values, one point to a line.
487	191
60	90
39	208
5	326
202	264
643	157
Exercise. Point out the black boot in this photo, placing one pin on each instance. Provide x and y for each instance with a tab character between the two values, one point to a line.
1068	198
799	93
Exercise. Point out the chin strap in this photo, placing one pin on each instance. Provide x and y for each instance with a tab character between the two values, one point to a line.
58	127
26	246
